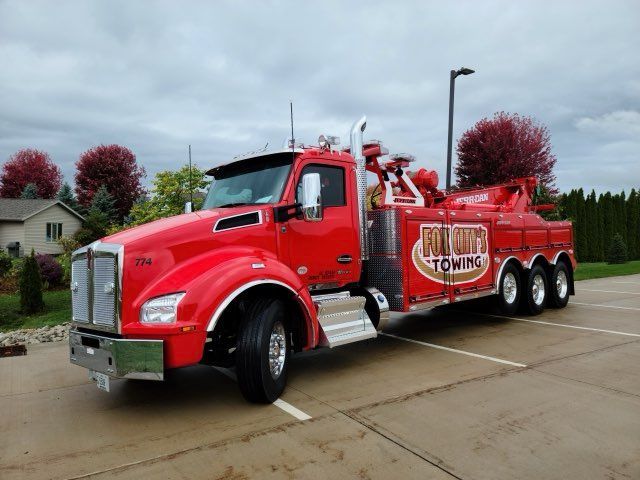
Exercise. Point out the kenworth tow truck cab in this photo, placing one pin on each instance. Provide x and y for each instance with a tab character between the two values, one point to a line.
289	254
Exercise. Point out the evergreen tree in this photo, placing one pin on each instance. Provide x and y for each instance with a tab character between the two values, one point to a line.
633	225
608	215
589	218
30	286
30	191
570	205
66	196
621	210
542	198
618	250
104	203
581	227
637	232
593	234
601	233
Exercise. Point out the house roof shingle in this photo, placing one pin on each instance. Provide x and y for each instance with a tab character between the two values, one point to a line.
19	209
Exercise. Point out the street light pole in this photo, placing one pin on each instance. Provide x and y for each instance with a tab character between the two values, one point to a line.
452	88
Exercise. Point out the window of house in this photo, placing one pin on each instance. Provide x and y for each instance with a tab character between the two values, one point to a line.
332	181
54	231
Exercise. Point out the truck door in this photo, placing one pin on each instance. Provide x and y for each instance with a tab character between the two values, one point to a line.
471	262
427	242
326	253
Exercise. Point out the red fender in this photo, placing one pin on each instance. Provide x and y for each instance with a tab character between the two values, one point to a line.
212	280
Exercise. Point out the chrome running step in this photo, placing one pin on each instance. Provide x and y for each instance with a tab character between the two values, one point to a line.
343	319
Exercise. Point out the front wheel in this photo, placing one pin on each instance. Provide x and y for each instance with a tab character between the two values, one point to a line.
263	350
559	286
535	291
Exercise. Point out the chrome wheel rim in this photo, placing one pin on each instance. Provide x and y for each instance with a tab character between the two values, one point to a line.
562	285
277	350
537	289
509	288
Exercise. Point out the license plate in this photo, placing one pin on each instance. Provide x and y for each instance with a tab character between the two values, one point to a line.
102	381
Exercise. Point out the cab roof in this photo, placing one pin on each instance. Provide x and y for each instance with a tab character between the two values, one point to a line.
260	154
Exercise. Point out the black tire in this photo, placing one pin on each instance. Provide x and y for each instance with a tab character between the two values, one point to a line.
508	300
536	290
255	379
559	286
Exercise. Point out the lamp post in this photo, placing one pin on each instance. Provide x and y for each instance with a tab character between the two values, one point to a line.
452	87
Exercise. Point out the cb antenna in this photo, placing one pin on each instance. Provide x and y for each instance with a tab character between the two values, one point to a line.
190	186
293	140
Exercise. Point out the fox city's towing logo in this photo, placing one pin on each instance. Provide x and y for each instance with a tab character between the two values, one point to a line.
445	250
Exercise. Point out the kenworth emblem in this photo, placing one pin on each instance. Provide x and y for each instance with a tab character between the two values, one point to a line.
458	249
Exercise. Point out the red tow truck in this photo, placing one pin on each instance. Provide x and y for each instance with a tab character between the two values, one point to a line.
290	254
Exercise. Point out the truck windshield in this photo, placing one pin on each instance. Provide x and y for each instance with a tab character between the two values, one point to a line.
249	182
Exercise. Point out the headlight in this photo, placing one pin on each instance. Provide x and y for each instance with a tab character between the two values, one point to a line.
161	309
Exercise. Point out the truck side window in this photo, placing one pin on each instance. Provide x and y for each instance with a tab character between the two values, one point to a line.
332	180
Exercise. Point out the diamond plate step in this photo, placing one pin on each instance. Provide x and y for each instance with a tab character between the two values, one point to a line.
343	319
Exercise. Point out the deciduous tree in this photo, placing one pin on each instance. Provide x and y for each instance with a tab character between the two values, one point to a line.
94	227
171	189
30	166
113	166
505	147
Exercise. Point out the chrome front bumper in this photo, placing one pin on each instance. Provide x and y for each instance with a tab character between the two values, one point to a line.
116	357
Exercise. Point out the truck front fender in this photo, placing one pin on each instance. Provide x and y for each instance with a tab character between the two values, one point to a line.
213	280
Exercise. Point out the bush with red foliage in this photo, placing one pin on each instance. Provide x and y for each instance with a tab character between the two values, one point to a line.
505	147
30	166
113	166
50	269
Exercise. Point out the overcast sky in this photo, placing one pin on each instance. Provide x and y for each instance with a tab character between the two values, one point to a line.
156	76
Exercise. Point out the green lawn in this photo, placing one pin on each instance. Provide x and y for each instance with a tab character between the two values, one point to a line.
57	310
586	271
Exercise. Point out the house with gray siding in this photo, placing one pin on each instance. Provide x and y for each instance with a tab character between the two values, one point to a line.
36	224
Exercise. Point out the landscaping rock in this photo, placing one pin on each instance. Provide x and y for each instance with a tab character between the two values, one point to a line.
30	336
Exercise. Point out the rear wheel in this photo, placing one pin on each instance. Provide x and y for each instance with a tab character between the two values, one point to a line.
535	291
263	350
559	286
509	291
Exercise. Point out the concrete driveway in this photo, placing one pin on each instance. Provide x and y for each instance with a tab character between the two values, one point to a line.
444	394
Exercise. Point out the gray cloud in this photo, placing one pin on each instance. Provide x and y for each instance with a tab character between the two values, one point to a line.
156	76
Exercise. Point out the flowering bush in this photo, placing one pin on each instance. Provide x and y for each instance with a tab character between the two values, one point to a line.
50	269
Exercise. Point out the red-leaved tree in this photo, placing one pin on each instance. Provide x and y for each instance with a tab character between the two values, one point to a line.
113	166
505	147
30	166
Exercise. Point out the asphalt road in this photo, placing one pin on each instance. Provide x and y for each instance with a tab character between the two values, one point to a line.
446	394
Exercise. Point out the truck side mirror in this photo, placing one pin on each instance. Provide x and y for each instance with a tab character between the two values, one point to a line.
311	197
188	208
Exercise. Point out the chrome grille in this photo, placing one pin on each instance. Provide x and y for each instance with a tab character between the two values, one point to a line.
79	290
104	290
95	285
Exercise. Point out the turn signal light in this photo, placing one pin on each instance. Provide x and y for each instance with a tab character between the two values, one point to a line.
189	328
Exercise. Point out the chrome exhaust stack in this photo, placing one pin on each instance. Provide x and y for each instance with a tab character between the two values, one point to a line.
357	131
